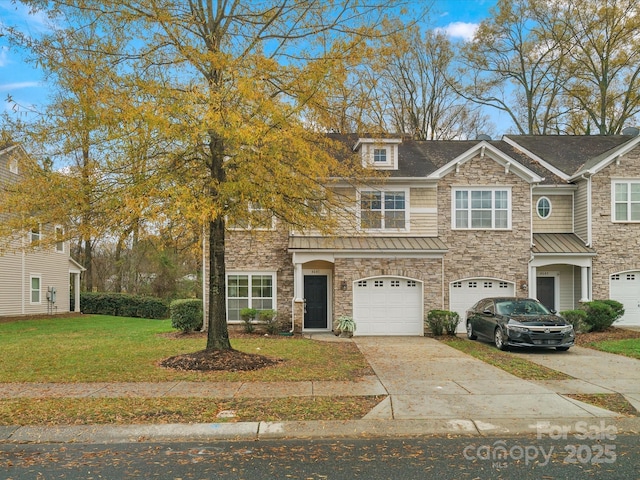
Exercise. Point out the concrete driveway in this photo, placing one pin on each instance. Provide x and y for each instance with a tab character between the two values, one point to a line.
426	379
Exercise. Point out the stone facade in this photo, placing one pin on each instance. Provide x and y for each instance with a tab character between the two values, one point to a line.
500	254
617	244
264	251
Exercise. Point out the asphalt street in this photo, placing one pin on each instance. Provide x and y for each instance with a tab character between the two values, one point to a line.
557	457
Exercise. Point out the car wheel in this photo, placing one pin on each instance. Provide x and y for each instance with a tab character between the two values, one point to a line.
470	333
562	349
497	339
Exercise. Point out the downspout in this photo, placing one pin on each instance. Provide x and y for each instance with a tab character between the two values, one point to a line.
589	213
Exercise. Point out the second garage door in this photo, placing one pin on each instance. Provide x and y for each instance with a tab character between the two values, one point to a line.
388	306
465	293
625	288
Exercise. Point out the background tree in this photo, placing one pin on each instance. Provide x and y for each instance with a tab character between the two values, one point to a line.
599	43
414	81
514	66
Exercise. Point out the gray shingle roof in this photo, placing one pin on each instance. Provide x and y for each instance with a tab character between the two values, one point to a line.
568	154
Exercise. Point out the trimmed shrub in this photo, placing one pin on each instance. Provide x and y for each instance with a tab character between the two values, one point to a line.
577	318
248	315
186	314
123	305
441	321
601	314
268	317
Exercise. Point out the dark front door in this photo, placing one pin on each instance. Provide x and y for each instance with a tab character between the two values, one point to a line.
315	294
546	289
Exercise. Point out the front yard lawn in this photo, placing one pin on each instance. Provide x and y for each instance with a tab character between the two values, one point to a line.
613	340
100	348
115	349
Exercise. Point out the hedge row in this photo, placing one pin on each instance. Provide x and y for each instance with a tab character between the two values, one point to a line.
123	305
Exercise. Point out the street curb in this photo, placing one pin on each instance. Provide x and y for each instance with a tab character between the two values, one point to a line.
101	434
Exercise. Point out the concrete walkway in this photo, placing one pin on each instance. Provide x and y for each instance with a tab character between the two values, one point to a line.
430	388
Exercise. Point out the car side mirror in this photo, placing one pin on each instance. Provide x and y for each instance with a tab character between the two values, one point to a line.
487	312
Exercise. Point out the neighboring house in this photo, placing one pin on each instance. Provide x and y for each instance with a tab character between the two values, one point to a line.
551	217
34	280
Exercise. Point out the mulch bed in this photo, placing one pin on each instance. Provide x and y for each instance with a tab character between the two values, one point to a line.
215	360
611	333
212	360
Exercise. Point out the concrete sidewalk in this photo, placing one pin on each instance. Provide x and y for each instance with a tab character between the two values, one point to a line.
431	389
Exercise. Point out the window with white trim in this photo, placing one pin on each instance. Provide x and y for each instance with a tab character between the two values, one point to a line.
36	281
249	290
482	208
258	218
35	235
59	239
543	207
626	201
383	210
13	166
380	155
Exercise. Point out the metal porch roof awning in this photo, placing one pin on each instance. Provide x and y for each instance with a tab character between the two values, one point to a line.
559	244
371	244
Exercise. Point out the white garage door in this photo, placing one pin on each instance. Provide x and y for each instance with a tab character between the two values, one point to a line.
625	288
388	306
464	294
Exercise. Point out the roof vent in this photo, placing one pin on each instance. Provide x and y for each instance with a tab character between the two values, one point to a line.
483	136
631	131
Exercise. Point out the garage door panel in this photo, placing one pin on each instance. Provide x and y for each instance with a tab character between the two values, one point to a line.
625	288
464	294
388	306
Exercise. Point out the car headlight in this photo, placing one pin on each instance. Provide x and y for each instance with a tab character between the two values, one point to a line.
517	329
567	328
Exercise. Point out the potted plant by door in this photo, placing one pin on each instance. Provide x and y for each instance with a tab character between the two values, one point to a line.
347	326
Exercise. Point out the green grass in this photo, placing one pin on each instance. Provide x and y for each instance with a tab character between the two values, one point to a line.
115	349
629	347
514	365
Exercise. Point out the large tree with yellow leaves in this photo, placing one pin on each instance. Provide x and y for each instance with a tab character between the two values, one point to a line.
227	102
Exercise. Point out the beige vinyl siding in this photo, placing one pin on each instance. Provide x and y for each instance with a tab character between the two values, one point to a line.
561	218
581	211
18	265
424	212
10	284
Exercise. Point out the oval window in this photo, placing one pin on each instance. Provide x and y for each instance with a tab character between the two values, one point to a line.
544	207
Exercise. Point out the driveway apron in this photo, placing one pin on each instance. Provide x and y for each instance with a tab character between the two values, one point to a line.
593	372
428	379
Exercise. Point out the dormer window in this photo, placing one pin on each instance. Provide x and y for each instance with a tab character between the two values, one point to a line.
379	153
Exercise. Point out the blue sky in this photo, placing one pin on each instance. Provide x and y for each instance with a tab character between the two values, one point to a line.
26	85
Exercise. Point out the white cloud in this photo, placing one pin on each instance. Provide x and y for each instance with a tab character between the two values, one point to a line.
17	86
461	30
3	56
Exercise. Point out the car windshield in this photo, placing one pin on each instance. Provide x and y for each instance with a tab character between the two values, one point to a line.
521	307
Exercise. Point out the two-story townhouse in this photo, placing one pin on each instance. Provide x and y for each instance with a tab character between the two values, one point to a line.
36	277
554	218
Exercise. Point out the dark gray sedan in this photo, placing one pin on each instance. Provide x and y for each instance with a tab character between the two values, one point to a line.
518	322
